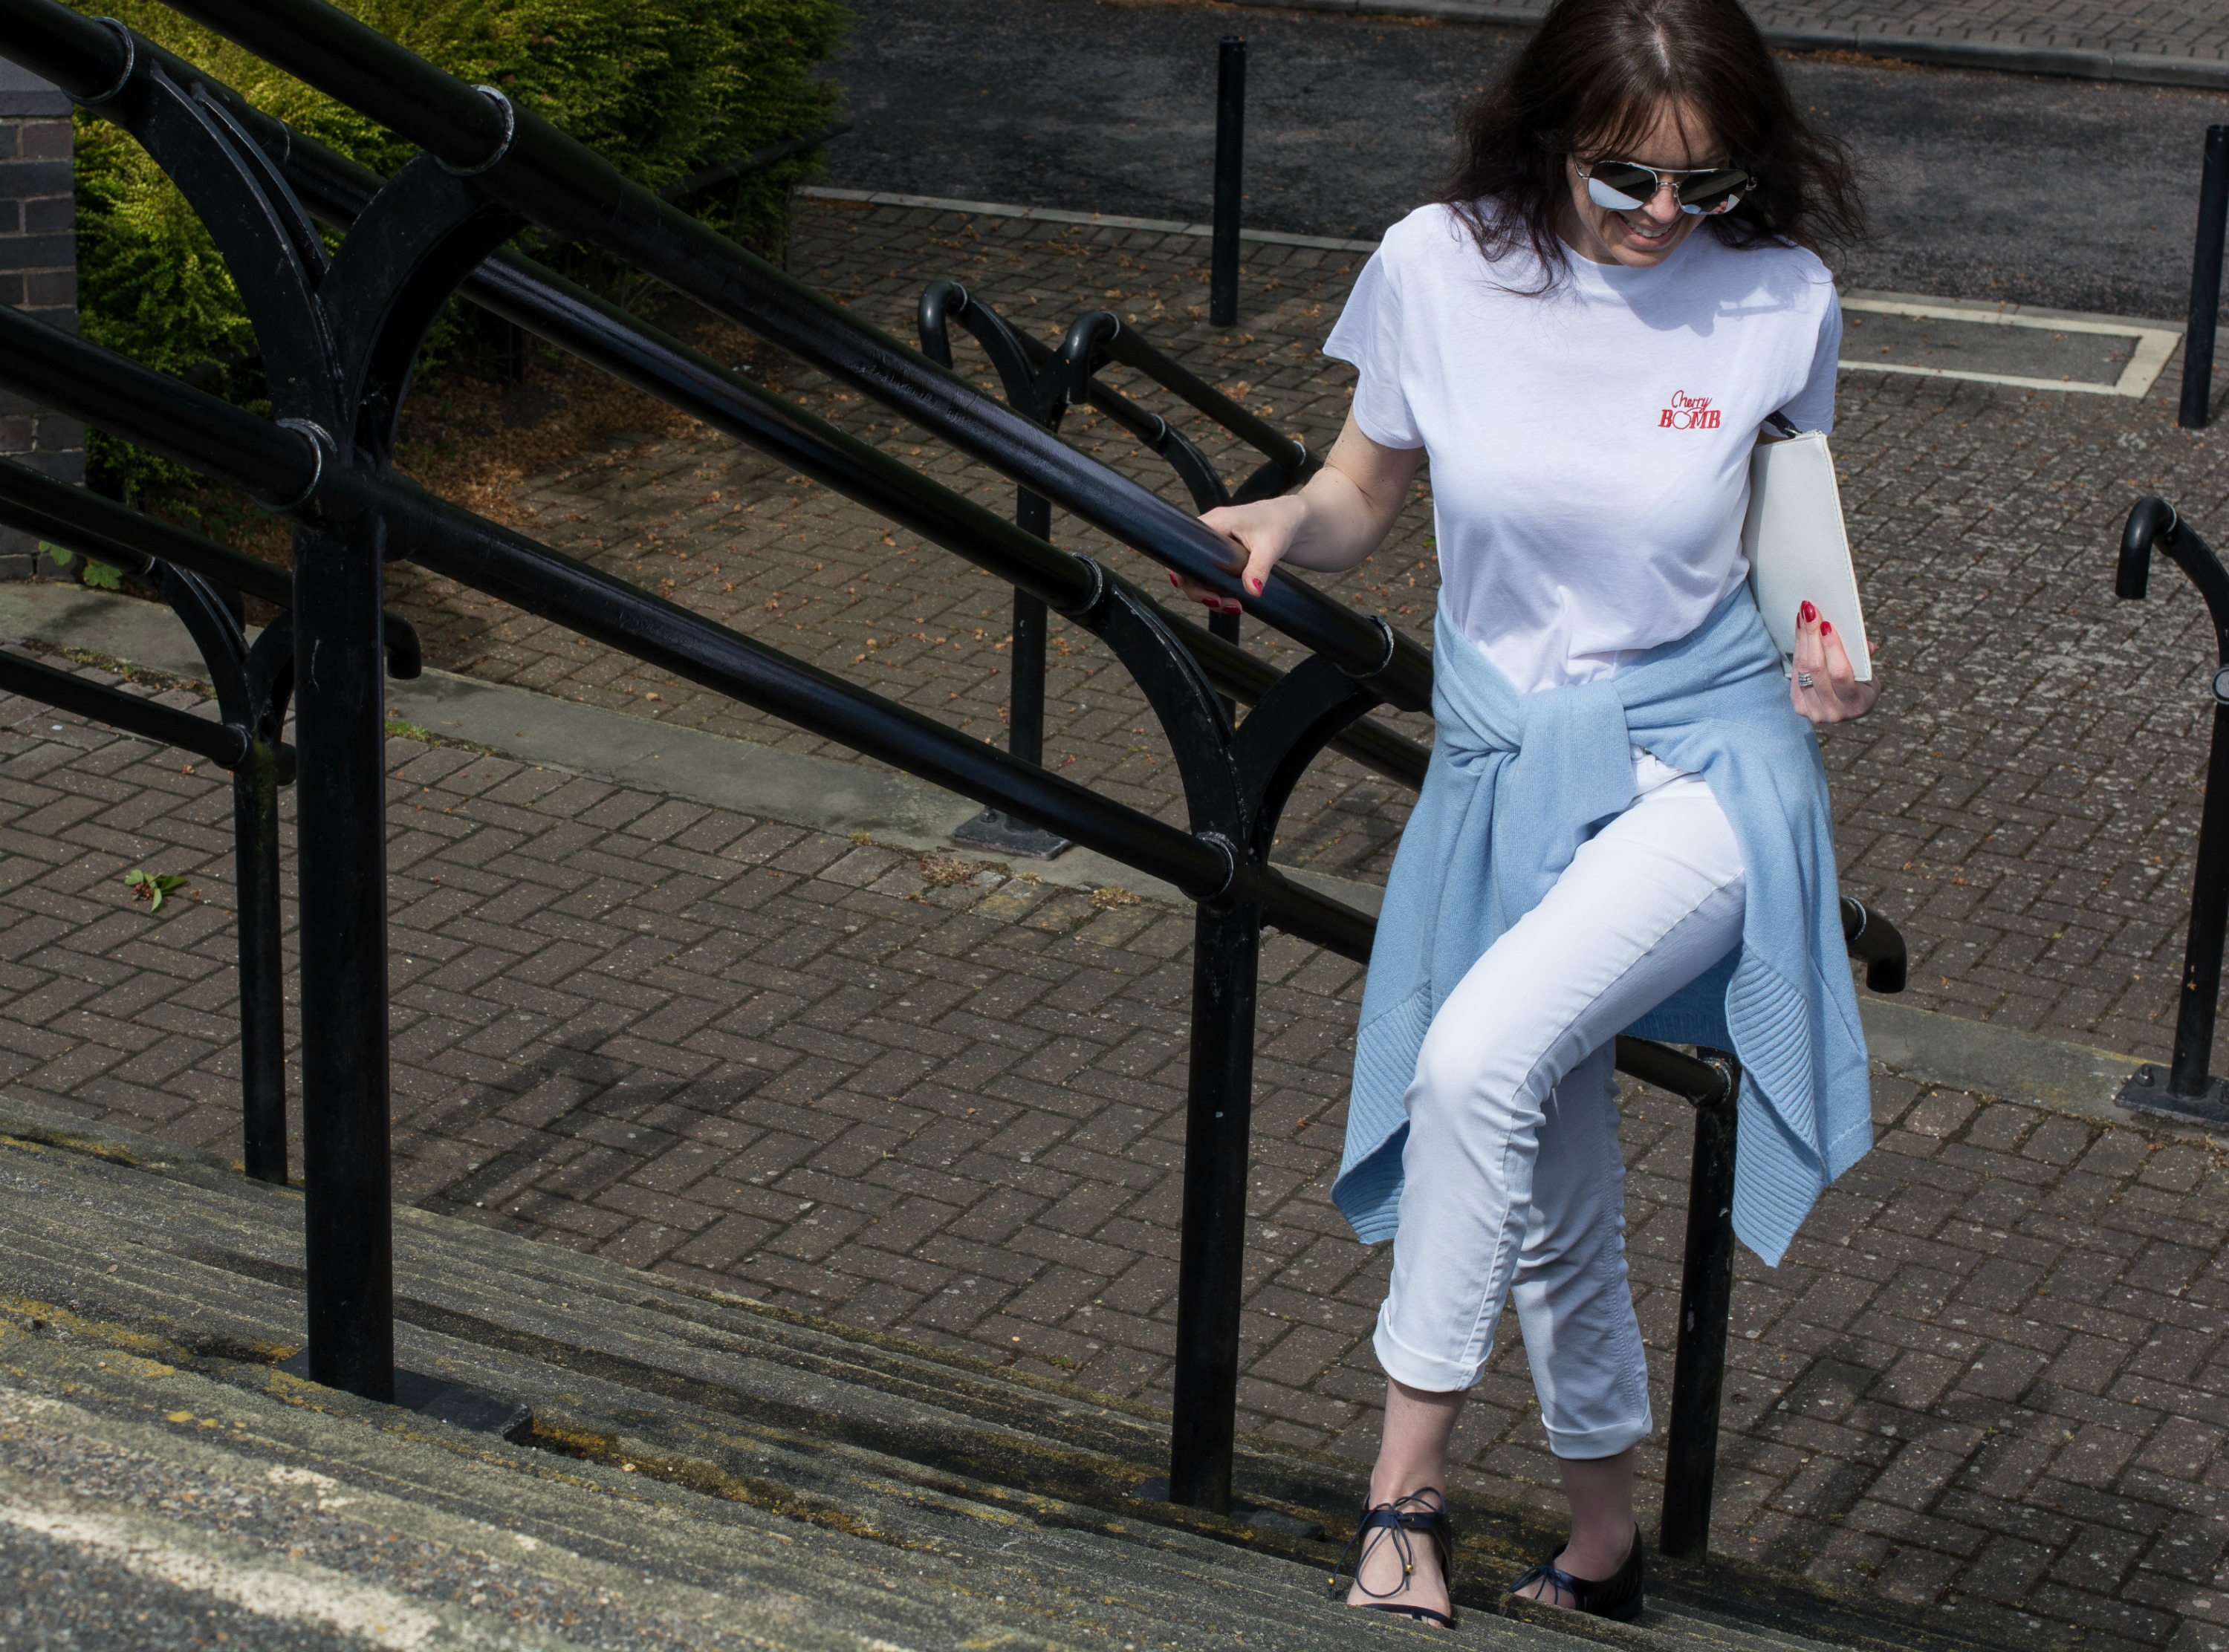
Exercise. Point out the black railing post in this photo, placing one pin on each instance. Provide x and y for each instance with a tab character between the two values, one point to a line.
2190	1092
2206	282
1212	1262
1707	1288
340	734
1025	693
2209	921
262	965
1229	178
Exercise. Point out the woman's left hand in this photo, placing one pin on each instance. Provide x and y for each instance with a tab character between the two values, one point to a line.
1834	695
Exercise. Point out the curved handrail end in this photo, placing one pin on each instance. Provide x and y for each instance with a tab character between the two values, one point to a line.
2150	521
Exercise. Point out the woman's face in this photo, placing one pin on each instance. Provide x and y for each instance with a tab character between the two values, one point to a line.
1645	237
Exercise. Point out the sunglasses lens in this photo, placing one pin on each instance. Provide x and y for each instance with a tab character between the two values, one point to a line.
1712	192
1618	186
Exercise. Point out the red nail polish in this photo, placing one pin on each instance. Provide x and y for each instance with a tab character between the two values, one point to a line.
1810	613
1173	576
1826	628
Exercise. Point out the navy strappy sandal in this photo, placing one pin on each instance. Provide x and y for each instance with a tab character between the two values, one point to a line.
1393	1522
1618	1596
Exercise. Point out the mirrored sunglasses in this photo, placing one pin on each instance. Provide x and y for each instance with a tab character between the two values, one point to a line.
1627	186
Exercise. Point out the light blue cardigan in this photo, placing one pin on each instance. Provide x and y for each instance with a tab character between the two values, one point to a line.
1517	783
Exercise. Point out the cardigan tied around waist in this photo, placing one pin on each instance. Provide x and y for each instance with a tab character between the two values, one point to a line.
1517	783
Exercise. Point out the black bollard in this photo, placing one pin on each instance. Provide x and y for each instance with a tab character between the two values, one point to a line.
1229	166
2205	283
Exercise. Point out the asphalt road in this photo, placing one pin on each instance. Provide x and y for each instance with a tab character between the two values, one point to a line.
2063	193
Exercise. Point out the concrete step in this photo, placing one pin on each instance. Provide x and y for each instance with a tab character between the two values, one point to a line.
700	1467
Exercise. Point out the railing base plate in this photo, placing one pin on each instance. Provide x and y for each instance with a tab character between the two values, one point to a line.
992	829
445	1402
2146	1093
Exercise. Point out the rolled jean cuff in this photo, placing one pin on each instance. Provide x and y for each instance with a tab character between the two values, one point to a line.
1420	1371
1597	1441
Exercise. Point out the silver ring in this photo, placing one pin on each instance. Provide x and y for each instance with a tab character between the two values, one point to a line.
1802	679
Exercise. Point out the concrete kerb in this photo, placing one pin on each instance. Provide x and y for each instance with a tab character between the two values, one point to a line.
1096	219
2143	68
827	795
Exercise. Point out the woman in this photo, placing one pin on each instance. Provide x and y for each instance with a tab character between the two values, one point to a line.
1625	825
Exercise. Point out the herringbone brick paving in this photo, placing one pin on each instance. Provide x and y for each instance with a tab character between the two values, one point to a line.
1991	1374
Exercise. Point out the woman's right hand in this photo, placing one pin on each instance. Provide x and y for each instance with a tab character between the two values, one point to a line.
1259	534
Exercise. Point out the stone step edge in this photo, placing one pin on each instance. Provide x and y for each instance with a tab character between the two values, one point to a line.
461	1472
1738	1597
1681	1621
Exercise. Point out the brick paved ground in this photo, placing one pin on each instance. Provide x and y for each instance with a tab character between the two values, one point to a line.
1990	1374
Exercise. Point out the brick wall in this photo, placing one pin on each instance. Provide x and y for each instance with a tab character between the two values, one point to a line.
38	272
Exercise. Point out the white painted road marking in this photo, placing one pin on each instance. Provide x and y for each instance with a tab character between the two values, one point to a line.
2154	342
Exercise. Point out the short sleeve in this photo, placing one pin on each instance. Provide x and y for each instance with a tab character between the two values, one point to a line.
1813	406
1368	336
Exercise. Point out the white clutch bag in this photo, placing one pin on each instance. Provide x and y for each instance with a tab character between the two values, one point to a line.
1796	547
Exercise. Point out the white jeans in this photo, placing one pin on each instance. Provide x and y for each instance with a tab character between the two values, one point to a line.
1514	1183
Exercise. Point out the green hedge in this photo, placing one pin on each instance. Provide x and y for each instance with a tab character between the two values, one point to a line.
661	87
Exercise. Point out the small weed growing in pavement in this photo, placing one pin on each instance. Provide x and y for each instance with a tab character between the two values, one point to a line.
942	871
153	888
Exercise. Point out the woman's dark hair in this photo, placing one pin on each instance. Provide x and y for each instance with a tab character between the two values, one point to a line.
1590	82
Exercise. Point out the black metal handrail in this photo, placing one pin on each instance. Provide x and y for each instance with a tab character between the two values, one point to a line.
144	407
202	581
1042	382
564	314
570	317
515	157
2190	1091
136	543
222	745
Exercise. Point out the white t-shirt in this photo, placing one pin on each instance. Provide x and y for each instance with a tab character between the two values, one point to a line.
1589	447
